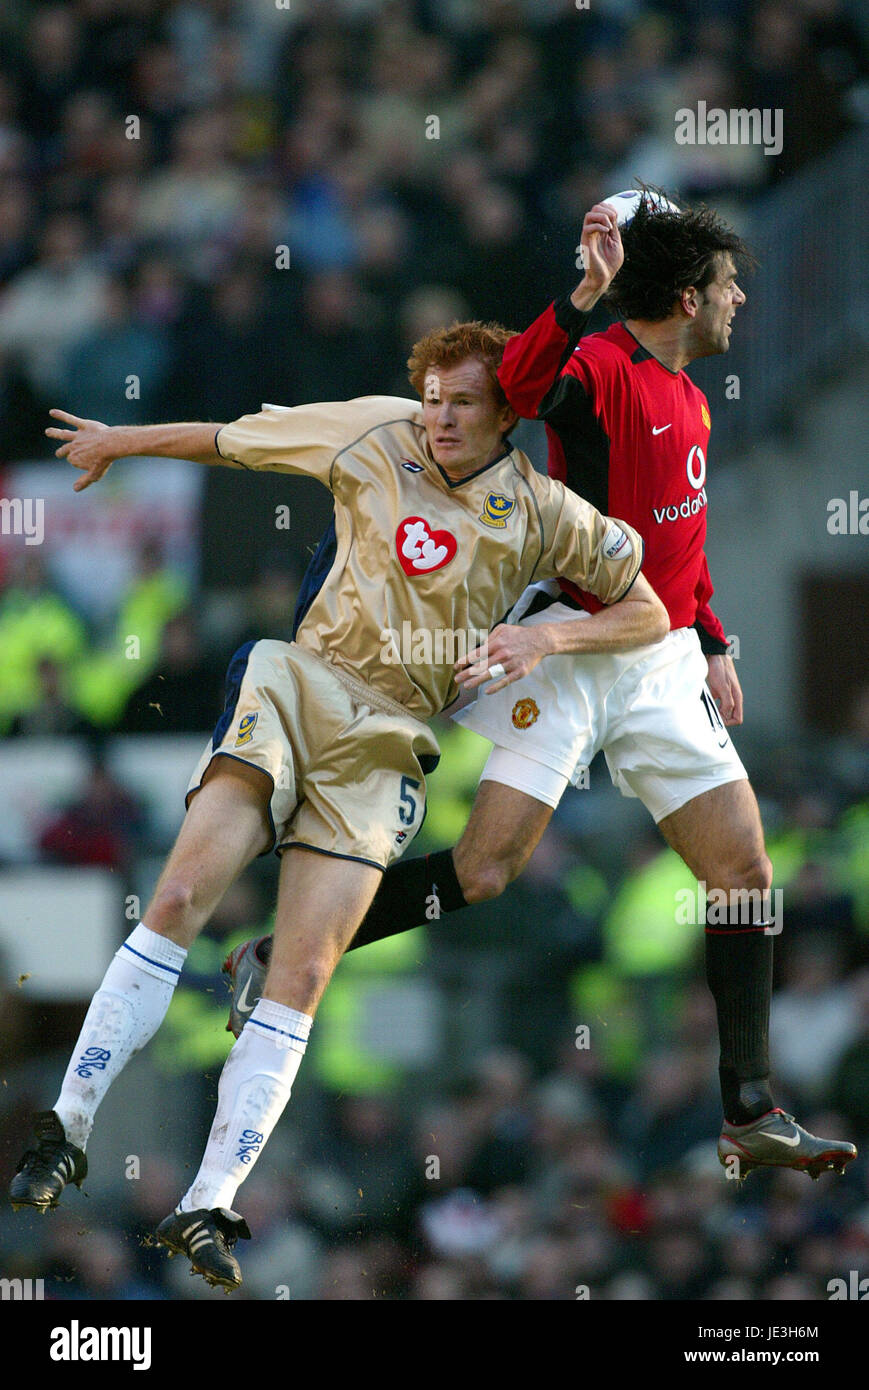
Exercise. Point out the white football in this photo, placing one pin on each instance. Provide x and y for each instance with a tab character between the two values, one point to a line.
626	204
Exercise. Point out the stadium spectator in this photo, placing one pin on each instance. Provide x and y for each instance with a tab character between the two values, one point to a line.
50	715
117	370
50	304
103	825
36	622
813	1017
183	692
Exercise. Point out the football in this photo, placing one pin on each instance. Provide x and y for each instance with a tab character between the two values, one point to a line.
626	204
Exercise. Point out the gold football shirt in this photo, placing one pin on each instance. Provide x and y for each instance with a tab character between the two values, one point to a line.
423	562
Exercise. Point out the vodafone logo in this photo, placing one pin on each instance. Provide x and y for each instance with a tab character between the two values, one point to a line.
696	467
689	506
421	550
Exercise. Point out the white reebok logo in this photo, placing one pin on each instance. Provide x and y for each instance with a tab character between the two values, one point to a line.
659	429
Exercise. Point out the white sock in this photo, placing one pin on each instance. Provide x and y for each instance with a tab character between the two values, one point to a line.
125	1013
254	1087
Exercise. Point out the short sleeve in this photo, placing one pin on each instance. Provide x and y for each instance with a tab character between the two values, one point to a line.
596	552
305	439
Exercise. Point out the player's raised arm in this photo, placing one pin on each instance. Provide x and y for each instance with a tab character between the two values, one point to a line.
93	447
602	255
534	359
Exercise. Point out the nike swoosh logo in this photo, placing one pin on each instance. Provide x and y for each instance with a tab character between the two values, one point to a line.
241	1004
784	1139
659	429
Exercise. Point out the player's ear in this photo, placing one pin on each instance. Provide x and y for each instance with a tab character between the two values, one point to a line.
508	419
690	301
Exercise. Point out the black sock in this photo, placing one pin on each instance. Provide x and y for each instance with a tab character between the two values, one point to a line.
739	974
411	892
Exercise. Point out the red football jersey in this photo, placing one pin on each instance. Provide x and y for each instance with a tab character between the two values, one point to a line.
632	438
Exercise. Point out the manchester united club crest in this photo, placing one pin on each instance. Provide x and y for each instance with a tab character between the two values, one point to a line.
525	713
496	509
245	729
704	416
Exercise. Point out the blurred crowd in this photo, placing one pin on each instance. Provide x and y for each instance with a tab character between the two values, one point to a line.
234	202
505	1185
554	1135
65	672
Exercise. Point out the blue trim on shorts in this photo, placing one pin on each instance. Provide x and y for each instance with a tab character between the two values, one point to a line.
222	753
332	854
234	677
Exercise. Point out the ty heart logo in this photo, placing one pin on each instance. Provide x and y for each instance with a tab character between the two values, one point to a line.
420	549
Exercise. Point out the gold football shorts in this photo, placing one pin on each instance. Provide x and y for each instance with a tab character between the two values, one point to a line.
347	765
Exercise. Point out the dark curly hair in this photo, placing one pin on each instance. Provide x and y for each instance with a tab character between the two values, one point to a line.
665	252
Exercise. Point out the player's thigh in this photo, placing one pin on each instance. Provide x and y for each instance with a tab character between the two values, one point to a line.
504	829
226	826
322	899
719	835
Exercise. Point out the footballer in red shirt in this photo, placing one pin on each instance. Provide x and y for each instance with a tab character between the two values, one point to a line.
629	431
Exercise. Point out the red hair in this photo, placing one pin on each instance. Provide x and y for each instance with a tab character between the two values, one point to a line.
446	347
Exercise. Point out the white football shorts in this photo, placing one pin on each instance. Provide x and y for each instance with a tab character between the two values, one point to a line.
649	709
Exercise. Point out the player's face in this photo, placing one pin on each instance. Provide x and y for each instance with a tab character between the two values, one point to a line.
464	422
719	302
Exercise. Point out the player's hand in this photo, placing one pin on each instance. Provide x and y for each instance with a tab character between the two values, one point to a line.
602	246
725	688
86	445
517	649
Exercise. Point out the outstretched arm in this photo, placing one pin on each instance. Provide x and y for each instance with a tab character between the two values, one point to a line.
93	447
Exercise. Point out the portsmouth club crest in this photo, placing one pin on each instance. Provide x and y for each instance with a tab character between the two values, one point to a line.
246	728
496	509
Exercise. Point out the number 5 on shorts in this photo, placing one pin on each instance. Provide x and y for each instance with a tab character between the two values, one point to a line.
407	804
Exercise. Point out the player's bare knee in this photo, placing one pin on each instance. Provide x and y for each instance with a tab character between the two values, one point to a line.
755	875
173	903
485	880
301	986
